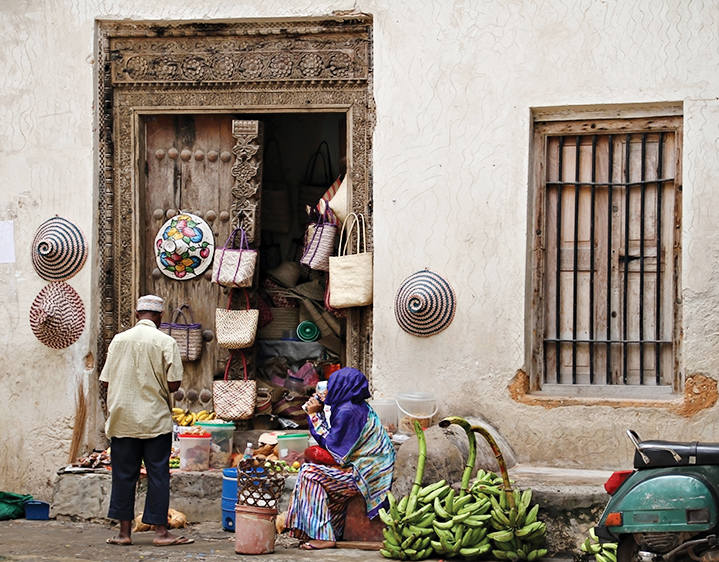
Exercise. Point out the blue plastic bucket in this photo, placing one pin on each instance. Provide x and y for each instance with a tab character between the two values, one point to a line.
229	498
35	509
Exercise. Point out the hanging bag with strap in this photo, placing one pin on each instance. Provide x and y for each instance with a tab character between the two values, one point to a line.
351	275
234	399
320	242
188	335
317	180
236	329
233	267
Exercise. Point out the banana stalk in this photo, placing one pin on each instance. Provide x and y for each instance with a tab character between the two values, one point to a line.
500	461
472	457
421	459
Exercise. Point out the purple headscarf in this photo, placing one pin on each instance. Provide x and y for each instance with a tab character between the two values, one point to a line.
347	391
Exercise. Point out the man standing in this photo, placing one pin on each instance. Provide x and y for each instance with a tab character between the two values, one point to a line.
142	370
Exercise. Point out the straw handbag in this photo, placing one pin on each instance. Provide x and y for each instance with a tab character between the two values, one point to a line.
351	275
236	329
234	267
320	242
339	200
234	399
188	335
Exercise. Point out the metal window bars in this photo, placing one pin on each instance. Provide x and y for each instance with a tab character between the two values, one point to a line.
610	272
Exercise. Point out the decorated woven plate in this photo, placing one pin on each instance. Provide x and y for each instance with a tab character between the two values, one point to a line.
425	304
184	247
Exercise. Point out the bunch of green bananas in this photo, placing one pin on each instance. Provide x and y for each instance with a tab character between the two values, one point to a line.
517	535
602	552
461	525
408	530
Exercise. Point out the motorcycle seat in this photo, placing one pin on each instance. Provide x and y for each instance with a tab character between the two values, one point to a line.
653	454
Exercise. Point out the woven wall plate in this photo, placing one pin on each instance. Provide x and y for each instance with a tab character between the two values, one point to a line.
184	247
59	249
57	315
425	304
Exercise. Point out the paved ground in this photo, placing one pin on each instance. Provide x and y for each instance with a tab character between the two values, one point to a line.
64	541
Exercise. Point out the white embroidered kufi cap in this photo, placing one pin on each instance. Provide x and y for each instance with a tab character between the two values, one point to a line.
150	303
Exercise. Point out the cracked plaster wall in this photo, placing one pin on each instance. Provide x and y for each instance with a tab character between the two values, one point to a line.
454	83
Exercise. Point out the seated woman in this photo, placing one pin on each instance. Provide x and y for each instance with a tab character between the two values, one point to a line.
364	458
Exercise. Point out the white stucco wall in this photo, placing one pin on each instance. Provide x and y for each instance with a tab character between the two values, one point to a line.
454	83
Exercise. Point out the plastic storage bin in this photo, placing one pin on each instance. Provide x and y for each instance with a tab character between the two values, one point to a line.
221	433
35	509
292	446
388	413
420	406
195	451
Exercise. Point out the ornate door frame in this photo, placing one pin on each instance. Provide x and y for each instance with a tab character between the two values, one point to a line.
243	66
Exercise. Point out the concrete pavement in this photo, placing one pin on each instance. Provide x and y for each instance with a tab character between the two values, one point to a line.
65	541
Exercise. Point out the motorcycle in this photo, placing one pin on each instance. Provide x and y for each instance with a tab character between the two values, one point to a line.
666	509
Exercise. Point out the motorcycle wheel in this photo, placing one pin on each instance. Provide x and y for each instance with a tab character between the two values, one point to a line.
628	549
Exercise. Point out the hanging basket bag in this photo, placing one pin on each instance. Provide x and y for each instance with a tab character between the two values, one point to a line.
236	329
188	335
234	399
234	267
320	242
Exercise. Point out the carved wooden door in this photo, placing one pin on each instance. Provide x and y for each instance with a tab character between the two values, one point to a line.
191	164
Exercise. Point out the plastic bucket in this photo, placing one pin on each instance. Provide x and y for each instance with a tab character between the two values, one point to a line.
35	509
292	446
255	530
221	447
388	413
195	451
229	498
420	406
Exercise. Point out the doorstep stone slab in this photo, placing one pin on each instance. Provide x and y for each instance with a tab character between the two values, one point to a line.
86	496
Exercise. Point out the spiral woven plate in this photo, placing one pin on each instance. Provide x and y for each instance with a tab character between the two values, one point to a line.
425	304
59	249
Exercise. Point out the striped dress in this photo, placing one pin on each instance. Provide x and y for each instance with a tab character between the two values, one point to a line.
318	505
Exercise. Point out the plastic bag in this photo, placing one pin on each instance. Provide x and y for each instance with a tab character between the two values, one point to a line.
12	505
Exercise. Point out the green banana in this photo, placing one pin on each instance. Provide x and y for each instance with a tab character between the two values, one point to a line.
501	536
526	497
599	557
402	505
426	521
472	507
384	516
532	515
487	489
417	515
459	503
500	555
476	520
439	509
408	541
387	554
421	531
474	551
443	524
500	516
459	518
389	537
528	529
609	555
449	502
430	488
436	545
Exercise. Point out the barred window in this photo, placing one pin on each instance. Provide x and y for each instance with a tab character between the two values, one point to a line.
607	219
